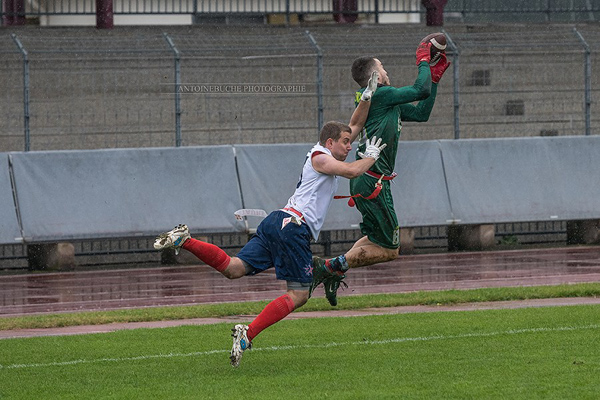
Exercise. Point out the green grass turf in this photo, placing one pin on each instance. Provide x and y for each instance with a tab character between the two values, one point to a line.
545	353
315	304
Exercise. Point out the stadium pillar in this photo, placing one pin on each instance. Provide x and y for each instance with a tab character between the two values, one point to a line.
104	14
588	81
51	256
435	12
345	11
320	109
583	231
455	62
14	12
471	237
407	240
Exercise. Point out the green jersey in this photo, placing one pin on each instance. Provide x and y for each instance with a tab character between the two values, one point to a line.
389	107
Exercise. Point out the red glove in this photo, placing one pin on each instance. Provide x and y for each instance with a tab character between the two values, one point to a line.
424	52
439	68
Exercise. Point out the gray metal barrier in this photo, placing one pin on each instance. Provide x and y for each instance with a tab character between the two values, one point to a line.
524	179
72	195
269	174
9	226
420	195
77	195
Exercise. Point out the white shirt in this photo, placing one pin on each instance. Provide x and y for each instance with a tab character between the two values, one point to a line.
314	193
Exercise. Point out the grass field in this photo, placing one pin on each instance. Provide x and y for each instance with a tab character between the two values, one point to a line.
443	297
545	353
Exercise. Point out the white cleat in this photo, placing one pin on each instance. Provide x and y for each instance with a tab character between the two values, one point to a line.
173	239
240	343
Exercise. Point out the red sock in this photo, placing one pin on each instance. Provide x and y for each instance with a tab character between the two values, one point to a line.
208	253
274	312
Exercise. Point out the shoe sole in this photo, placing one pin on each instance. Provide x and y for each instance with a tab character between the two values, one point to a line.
236	351
236	355
159	242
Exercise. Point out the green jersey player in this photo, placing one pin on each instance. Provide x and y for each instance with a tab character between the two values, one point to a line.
371	191
389	107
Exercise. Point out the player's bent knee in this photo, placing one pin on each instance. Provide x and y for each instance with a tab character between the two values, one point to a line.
231	274
236	269
298	292
300	299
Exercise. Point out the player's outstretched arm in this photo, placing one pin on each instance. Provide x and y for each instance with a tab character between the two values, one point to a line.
420	90
358	119
421	111
326	164
360	114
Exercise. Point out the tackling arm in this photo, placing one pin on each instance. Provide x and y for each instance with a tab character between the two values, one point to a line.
326	164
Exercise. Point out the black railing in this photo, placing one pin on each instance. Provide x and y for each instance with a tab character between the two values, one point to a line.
587	9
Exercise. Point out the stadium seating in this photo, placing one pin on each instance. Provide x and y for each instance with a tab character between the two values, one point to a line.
98	90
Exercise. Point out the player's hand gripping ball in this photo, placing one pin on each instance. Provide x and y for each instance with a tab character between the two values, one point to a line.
438	46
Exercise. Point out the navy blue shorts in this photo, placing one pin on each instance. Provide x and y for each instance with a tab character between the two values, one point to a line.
283	244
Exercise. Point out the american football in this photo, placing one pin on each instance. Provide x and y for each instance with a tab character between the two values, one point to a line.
438	45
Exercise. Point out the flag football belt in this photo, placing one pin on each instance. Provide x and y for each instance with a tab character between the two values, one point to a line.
294	213
378	187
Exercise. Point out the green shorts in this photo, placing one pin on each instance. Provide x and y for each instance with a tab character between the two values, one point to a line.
380	223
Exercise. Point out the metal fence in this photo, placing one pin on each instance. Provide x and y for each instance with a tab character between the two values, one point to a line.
89	92
467	10
247	88
525	11
88	89
507	86
154	90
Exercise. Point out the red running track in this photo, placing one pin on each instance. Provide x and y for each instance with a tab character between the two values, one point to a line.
185	285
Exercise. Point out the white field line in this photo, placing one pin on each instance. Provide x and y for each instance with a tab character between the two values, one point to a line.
307	346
